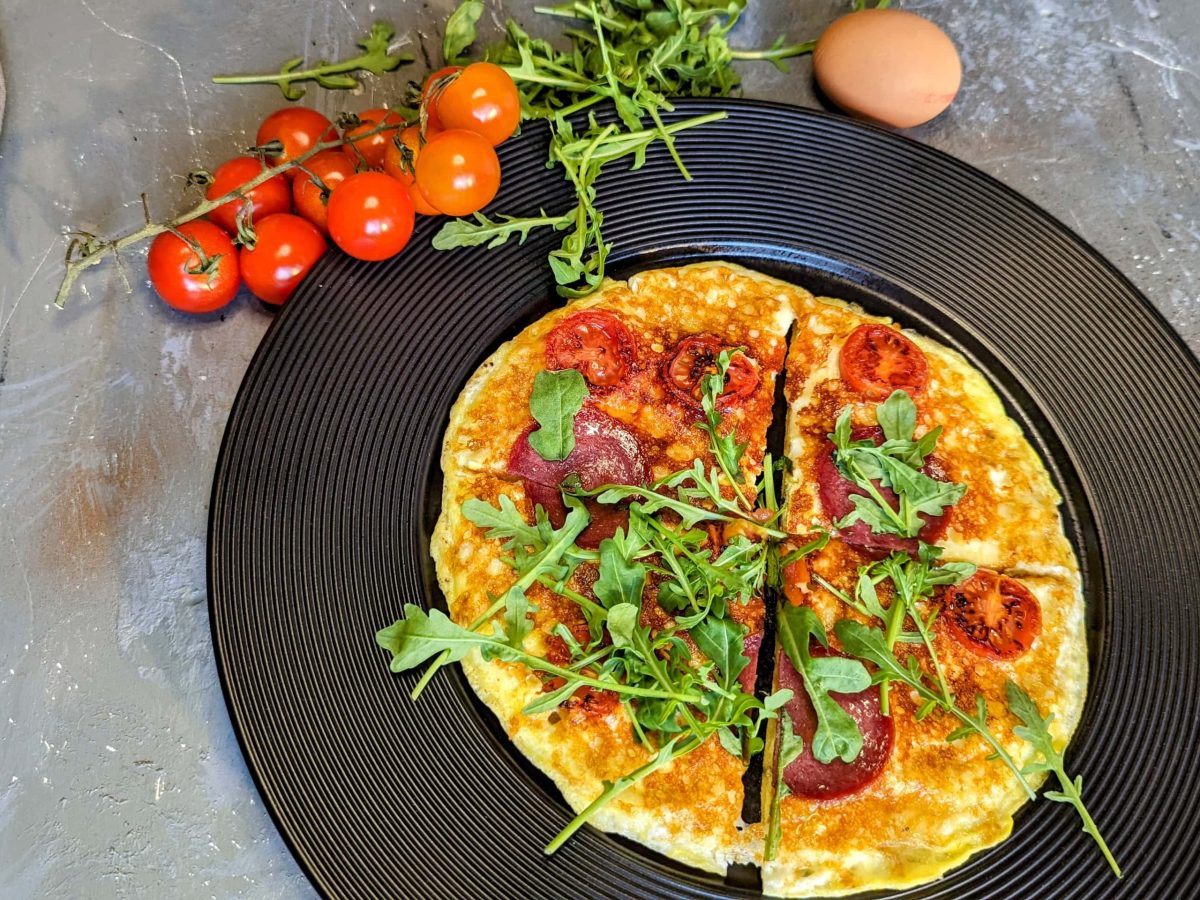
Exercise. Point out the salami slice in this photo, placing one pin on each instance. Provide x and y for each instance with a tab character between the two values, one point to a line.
751	644
606	452
805	776
835	490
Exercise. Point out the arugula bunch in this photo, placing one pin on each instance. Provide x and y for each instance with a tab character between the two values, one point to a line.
626	57
895	464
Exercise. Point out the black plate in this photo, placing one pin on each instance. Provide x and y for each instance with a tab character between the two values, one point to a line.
327	484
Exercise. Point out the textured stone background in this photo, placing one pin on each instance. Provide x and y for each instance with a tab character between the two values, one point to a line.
119	772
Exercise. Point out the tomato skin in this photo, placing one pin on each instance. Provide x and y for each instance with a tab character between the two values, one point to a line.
394	165
170	258
372	148
271	197
433	122
992	615
458	172
595	342
482	99
877	360
332	168
370	216
287	247
695	357
299	129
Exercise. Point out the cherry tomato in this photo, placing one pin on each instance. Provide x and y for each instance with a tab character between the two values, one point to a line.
271	197
401	165
370	216
596	343
482	99
372	148
332	168
299	130
695	358
877	360
175	271
285	249
993	615
434	85
458	172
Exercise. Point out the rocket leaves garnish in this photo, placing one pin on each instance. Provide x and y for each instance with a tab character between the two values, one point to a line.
556	399
625	59
791	745
870	645
1036	732
895	464
837	735
727	451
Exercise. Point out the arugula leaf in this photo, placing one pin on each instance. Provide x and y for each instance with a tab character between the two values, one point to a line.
1036	732
722	640
623	624
791	745
375	59
837	735
869	644
622	579
460	30
897	416
727	451
557	397
895	464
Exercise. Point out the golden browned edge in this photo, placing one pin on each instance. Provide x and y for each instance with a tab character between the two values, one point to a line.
688	819
935	804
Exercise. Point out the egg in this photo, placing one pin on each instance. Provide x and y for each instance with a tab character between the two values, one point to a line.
887	66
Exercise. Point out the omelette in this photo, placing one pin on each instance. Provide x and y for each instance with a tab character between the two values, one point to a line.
611	533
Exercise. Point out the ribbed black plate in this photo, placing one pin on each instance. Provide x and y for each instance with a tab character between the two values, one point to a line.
327	481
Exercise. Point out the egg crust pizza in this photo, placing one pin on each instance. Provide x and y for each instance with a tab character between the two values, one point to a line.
613	528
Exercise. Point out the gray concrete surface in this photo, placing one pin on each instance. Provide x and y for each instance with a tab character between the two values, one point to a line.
119	772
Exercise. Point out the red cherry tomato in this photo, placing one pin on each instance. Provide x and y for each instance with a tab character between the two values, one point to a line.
695	357
372	148
877	360
271	197
175	268
482	99
370	216
285	249
596	343
434	85
298	129
332	168
993	615
401	164
458	172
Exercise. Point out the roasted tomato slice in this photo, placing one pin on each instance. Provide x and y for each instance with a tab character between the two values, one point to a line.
993	615
695	358
596	343
877	360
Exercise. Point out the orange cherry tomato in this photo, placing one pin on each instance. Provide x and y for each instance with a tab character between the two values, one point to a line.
877	360
372	148
285	249
458	172
993	615
434	85
482	99
370	216
175	271
298	129
271	197
401	165
332	168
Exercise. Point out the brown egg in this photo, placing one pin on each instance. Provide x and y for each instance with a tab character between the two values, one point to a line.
887	66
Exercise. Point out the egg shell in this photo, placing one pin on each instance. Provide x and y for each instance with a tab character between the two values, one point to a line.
887	66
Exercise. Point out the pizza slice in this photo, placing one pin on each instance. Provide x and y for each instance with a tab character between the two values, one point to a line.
908	472
598	534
